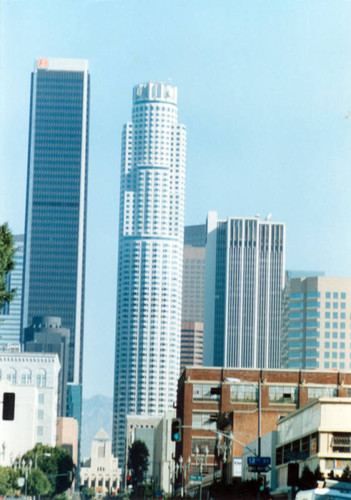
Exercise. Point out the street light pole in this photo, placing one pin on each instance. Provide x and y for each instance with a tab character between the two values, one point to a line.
201	460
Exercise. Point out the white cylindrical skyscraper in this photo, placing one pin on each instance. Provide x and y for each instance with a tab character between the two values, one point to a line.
150	257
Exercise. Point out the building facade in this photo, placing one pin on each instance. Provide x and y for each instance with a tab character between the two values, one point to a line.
318	323
253	396
55	229
321	430
33	378
150	258
47	335
191	347
245	274
10	316
101	471
194	273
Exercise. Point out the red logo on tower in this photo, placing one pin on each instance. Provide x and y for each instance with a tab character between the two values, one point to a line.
43	63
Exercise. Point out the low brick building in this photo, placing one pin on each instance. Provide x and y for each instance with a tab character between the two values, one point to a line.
237	390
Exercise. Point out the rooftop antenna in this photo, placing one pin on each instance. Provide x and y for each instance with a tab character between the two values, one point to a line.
268	217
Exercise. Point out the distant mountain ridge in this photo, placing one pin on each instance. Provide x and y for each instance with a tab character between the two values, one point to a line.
96	413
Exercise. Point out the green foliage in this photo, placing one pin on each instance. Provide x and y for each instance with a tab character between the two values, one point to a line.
87	493
318	475
38	484
346	475
307	480
8	480
138	461
240	490
61	496
7	252
56	467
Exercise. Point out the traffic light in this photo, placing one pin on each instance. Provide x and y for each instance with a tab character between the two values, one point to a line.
262	483
8	406
176	430
128	480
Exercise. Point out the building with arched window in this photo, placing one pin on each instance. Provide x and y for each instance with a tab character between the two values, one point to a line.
33	379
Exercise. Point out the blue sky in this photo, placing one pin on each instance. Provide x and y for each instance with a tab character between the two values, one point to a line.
264	88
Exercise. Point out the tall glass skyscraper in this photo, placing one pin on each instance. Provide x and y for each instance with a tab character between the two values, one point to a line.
10	315
55	230
245	274
150	258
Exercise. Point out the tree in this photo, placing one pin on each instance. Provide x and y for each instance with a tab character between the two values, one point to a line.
307	480
318	475
7	252
57	467
8	480
346	475
138	461
88	493
38	484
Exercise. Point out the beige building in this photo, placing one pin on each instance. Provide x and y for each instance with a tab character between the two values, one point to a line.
101	471
191	346
67	436
322	430
318	324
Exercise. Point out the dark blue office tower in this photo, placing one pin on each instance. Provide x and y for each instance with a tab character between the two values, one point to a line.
55	231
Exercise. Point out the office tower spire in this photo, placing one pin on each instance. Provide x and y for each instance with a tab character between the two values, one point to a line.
56	199
150	258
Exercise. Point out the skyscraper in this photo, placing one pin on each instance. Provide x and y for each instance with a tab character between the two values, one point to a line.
10	315
319	329
150	258
194	273
55	228
245	272
47	335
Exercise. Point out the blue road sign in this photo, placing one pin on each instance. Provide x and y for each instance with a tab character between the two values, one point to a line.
259	461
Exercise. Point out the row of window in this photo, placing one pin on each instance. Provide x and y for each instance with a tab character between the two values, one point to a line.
249	393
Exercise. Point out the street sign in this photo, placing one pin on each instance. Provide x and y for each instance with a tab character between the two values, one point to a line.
259	468
195	478
258	461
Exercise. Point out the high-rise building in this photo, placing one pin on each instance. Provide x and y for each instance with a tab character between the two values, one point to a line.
150	258
284	338
318	323
10	315
55	230
191	348
47	335
194	273
245	273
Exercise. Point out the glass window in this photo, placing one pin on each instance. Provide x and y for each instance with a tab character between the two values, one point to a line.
341	442
322	392
335	295
282	394
203	392
204	420
343	295
327	295
243	392
41	378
